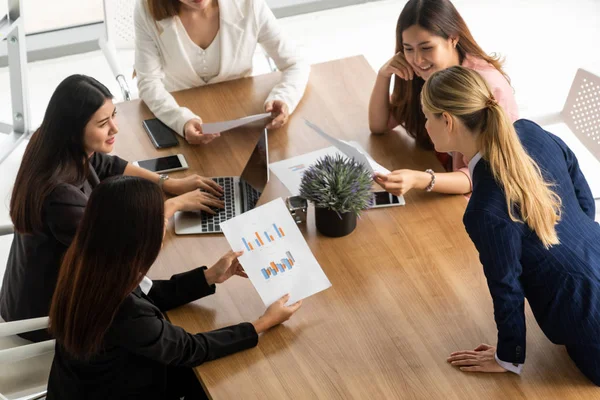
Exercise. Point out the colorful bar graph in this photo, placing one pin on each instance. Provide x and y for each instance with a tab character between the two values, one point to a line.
277	268
287	253
277	230
259	239
246	244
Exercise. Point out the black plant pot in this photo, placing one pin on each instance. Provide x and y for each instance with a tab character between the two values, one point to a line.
330	224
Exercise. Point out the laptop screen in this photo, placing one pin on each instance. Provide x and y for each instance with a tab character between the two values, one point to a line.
255	176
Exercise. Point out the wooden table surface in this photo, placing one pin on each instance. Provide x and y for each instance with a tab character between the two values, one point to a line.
407	285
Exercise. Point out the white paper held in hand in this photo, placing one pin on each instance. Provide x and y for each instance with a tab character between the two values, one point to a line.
217	127
276	257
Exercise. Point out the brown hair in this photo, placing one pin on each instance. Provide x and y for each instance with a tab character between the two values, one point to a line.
465	95
118	239
56	154
440	18
161	9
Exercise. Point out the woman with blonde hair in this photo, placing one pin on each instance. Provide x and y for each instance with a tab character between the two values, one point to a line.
531	217
430	35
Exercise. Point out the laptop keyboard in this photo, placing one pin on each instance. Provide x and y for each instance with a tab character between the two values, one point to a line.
212	223
251	196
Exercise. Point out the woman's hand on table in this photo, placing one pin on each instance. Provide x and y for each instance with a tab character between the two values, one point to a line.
276	314
279	112
192	132
401	181
184	185
481	359
225	268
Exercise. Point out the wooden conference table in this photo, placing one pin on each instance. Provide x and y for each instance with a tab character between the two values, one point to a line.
407	286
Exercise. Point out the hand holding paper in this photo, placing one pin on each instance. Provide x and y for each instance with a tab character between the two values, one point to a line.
216	127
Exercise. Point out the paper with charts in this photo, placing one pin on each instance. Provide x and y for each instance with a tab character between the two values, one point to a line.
276	257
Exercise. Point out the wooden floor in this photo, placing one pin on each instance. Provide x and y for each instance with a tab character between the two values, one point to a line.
407	285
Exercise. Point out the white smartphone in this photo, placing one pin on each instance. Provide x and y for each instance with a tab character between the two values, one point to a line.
164	164
385	199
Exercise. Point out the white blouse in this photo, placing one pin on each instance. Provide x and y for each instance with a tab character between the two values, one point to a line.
163	62
206	62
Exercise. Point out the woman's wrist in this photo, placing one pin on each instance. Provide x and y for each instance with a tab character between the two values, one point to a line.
423	179
171	207
261	324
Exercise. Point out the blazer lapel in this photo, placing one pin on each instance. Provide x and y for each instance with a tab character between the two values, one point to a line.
232	34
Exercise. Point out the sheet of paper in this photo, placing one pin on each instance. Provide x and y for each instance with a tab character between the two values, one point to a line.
217	127
276	257
350	150
290	171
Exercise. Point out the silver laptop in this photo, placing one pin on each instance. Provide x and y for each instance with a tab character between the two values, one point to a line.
241	193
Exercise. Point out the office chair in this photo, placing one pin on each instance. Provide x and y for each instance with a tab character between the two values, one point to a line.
26	378
578	124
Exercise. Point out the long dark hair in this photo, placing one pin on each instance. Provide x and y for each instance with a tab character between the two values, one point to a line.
56	154
117	241
161	9
440	18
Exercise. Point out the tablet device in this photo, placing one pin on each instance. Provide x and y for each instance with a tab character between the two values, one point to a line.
161	135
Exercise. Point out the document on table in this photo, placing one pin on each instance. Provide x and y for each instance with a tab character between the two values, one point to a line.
290	171
351	150
276	257
216	127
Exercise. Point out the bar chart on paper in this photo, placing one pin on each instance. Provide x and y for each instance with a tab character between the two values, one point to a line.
276	257
261	239
274	268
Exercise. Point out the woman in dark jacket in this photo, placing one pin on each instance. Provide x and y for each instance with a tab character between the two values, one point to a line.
64	160
112	341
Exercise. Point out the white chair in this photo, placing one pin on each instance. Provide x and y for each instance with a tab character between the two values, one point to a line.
120	35
578	124
118	21
26	378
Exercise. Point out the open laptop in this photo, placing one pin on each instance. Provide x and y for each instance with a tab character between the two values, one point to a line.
241	193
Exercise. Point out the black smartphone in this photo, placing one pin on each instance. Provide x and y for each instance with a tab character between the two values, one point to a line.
164	164
385	199
161	135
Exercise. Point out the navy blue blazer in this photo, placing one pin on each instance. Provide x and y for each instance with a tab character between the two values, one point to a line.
562	284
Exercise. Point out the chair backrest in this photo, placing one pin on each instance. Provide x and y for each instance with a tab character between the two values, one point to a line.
582	110
118	19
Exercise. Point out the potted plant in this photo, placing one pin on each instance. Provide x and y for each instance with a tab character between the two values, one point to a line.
340	188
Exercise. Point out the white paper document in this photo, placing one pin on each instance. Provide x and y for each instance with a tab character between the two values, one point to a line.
290	171
351	150
217	127
276	257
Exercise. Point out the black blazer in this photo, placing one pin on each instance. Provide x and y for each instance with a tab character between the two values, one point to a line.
34	260
562	284
140	346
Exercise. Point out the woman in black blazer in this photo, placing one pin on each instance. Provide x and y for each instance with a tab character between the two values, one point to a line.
64	160
112	341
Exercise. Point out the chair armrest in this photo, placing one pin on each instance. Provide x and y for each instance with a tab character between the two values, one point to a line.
27	351
6	230
25	325
110	53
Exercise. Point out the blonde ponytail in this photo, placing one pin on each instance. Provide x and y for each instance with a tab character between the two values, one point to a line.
464	94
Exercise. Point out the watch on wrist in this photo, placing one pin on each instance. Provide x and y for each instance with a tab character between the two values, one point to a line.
297	206
161	180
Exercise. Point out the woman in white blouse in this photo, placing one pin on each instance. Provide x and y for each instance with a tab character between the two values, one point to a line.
188	43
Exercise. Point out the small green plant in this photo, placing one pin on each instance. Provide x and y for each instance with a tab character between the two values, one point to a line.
338	183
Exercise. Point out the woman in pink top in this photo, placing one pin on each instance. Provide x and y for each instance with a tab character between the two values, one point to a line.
430	36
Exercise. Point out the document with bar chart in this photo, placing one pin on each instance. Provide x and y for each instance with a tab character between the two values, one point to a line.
276	257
